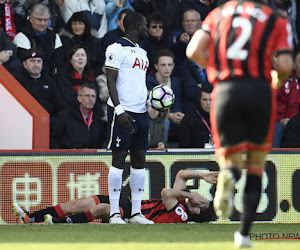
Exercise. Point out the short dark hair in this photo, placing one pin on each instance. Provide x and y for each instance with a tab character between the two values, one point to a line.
163	52
87	85
155	18
131	19
80	17
206	214
122	12
207	89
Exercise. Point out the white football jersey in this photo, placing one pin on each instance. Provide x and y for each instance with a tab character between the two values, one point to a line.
132	63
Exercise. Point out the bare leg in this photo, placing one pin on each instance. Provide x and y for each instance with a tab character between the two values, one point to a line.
78	205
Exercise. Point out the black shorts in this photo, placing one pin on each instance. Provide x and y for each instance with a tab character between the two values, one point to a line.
242	115
119	139
125	205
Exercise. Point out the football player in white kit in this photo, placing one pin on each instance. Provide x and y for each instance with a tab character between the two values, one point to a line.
126	66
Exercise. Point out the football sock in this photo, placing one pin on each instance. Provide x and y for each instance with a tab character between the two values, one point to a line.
83	217
250	202
236	173
114	188
137	183
38	216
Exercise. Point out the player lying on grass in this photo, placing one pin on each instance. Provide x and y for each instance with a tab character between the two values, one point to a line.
171	208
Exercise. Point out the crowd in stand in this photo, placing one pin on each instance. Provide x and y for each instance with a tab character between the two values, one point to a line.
56	50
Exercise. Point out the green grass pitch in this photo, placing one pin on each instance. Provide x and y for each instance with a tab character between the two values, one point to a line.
159	236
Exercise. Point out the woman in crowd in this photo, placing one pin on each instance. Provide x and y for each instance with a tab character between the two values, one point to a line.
77	72
78	31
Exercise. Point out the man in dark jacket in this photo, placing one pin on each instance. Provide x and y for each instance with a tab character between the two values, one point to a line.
39	84
80	126
194	129
37	35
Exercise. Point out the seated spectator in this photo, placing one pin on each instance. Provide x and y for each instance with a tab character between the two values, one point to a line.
193	79
194	130
289	8
78	31
94	10
8	54
39	84
113	9
7	22
169	9
155	41
77	72
21	10
164	65
288	101
157	124
79	126
37	34
200	7
291	133
179	40
116	34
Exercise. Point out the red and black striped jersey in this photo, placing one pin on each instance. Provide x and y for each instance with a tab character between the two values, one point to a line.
245	35
156	211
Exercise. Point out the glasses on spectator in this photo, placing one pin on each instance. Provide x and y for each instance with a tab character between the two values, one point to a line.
191	21
155	26
89	96
39	20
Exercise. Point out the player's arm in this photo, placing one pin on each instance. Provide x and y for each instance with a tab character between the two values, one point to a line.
170	197
124	118
187	174
197	49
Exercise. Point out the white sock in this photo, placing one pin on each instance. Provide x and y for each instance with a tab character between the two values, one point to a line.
137	184
114	188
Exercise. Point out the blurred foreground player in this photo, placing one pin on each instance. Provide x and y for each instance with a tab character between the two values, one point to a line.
171	208
239	65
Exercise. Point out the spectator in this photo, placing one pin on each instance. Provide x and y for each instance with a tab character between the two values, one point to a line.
77	72
179	40
157	124
194	129
80	126
113	9
155	40
37	34
200	7
288	101
39	84
116	34
78	31
193	79
7	22
8	54
290	7
94	10
169	9
164	65
21	10
291	133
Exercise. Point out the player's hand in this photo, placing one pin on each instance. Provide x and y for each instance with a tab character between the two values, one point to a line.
126	121
198	199
210	177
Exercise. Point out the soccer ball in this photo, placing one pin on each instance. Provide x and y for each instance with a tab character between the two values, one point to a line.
161	97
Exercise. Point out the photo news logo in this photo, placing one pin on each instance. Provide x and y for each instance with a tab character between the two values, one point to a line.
274	236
